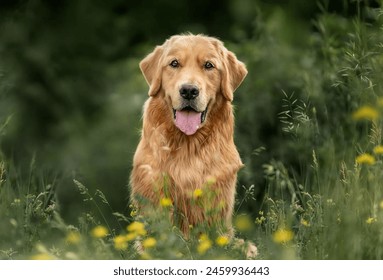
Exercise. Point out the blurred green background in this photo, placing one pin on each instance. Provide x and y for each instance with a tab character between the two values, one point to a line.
71	91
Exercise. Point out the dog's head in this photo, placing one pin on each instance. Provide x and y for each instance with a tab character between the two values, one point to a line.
192	70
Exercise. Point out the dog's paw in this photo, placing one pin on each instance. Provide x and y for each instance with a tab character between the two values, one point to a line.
252	251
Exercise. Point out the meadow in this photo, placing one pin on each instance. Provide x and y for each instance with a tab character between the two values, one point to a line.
309	122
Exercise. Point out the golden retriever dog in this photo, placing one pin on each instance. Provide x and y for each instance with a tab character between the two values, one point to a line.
187	149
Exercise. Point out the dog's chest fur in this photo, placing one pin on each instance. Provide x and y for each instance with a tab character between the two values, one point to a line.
169	163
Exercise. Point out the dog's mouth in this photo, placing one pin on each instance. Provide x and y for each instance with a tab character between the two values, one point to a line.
189	120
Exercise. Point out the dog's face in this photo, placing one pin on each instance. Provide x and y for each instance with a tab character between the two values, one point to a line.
191	71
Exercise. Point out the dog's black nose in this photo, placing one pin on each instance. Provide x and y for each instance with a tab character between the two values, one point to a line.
189	92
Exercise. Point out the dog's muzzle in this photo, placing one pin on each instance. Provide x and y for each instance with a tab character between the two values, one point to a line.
189	118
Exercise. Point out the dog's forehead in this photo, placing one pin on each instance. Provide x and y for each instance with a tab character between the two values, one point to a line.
192	46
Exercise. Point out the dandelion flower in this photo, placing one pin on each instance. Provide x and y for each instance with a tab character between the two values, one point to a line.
378	150
371	220
149	242
99	232
204	244
222	241
203	237
203	247
197	193
283	235
73	237
365	113
120	242
166	202
243	223
365	159
131	236
305	223
137	227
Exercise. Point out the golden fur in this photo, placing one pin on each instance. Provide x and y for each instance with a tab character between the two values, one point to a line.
169	163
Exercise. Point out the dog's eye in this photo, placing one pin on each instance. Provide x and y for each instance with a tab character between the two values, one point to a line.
208	65
174	63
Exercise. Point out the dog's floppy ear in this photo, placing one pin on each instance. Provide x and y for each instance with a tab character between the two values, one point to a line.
233	73
152	70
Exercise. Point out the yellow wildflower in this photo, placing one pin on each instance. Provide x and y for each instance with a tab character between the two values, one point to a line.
305	223
243	223
120	242
283	235
73	237
137	228
42	256
131	236
149	242
381	205
99	232
166	202
203	237
378	150
204	244
222	241
371	220
365	159
197	193
365	113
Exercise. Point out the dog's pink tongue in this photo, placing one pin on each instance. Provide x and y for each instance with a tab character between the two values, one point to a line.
188	121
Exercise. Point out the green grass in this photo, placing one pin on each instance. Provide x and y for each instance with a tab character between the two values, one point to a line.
321	200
